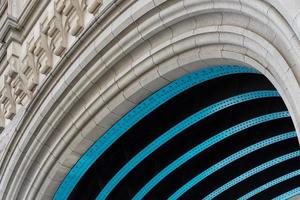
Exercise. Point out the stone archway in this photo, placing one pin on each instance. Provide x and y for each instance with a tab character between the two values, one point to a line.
145	47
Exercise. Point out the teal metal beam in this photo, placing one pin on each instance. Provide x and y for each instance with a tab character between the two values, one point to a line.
135	115
205	145
254	171
186	123
289	194
187	186
273	182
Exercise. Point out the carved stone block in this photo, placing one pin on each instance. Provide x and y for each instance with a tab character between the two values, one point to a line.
77	17
7	99
58	33
94	5
44	54
2	119
31	70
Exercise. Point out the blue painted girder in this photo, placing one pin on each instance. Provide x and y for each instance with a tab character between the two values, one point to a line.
164	138
135	115
277	180
200	148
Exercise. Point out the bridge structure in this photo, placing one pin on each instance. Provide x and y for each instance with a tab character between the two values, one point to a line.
149	99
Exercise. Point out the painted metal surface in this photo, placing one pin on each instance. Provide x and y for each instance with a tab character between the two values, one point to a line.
230	159
254	171
135	115
191	120
275	181
200	148
288	194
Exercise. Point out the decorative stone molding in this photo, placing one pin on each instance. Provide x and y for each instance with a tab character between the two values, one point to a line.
58	33
2	118
9	79
20	85
30	66
44	47
93	5
43	52
7	98
13	53
76	16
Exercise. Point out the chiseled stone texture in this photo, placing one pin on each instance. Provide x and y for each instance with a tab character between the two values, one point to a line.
71	70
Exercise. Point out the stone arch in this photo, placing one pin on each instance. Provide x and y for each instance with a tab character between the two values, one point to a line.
148	45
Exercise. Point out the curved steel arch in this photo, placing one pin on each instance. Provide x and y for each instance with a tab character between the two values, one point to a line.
288	194
165	137
153	102
136	114
228	160
275	181
201	147
254	171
